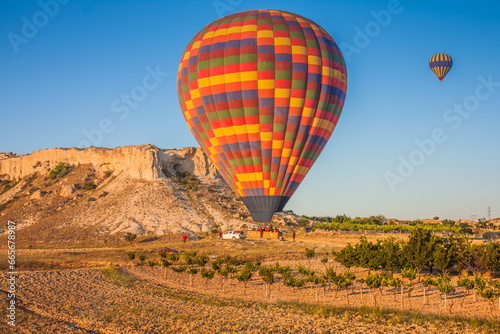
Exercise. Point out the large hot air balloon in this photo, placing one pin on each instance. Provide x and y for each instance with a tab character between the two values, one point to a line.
262	91
440	64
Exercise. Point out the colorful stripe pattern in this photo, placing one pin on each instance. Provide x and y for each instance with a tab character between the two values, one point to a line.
262	91
440	64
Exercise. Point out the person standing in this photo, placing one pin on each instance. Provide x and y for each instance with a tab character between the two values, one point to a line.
184	238
293	235
220	235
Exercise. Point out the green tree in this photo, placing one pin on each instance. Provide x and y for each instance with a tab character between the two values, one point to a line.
461	246
444	286
389	254
207	275
347	256
468	284
330	275
374	281
319	281
367	254
244	276
419	249
444	255
267	275
427	281
410	274
448	222
201	260
395	282
225	272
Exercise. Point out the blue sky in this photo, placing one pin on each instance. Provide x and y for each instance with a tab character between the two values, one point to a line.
406	146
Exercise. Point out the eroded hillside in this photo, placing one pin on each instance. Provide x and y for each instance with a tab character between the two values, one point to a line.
68	195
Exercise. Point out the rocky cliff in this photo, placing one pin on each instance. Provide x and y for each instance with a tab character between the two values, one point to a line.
68	194
142	162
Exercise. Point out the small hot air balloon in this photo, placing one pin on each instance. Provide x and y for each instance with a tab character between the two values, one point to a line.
262	91
440	64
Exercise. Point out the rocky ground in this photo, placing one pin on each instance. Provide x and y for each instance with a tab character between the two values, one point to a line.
139	300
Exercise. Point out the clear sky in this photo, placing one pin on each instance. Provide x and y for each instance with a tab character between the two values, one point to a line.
103	73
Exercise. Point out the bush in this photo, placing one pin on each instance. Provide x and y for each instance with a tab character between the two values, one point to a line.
89	186
131	255
152	263
309	253
60	170
130	236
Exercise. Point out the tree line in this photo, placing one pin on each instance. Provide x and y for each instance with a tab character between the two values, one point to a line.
380	223
423	249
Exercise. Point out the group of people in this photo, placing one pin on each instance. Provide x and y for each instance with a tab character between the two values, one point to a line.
261	233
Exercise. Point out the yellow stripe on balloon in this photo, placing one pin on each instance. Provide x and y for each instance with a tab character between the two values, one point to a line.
282	41
299	49
282	93
195	93
220	32
265	33
249	27
314	60
266	136
265	84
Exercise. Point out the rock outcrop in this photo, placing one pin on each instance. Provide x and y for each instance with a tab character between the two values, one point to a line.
102	192
140	162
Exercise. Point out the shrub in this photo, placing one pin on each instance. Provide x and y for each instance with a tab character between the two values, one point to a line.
309	253
60	170
131	255
89	186
130	236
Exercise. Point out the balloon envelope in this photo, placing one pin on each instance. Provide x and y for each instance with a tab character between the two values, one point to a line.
262	91
440	64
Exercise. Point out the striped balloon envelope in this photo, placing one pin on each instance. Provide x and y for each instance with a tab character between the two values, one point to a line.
262	91
440	64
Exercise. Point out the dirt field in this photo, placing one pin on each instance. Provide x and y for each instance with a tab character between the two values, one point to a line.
88	301
127	298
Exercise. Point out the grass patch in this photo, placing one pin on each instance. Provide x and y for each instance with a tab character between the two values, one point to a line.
115	276
387	316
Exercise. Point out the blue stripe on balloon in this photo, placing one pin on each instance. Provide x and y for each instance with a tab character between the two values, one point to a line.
440	63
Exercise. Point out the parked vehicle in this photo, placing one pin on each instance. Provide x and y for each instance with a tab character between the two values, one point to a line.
233	235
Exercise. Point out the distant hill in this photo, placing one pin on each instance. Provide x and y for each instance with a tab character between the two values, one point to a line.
66	194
